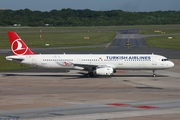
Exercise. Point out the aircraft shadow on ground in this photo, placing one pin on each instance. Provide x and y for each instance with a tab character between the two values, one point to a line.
79	75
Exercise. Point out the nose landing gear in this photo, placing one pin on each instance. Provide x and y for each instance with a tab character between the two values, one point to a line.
154	75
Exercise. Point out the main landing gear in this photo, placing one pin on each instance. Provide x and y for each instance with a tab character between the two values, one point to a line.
154	75
90	74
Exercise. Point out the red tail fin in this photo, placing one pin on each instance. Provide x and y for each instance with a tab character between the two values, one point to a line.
18	47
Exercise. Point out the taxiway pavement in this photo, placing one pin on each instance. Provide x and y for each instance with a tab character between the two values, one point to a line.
68	96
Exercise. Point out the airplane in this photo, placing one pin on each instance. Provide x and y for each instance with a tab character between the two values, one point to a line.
95	64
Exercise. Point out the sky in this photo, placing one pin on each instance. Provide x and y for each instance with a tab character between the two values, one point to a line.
125	5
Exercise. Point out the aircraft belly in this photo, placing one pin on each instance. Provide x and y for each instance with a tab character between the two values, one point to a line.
142	66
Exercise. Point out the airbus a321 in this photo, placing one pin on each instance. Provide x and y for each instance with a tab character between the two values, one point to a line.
95	64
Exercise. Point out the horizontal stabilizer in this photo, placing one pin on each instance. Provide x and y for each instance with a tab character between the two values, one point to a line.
15	58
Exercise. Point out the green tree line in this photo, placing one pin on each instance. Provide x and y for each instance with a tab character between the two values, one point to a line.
86	17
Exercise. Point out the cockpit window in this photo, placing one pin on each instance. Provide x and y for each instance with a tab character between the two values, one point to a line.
164	59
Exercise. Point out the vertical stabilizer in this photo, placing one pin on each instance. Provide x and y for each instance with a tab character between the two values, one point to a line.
18	47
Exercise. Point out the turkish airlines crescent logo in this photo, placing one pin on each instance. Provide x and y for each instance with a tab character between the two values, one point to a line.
66	63
18	47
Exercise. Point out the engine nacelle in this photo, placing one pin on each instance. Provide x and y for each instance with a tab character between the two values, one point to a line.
104	71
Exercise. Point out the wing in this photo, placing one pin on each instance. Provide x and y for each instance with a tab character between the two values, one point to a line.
90	66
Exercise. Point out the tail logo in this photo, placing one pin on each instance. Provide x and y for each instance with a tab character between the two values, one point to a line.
18	47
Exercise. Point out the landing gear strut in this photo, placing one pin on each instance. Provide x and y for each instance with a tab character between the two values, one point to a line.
90	74
154	75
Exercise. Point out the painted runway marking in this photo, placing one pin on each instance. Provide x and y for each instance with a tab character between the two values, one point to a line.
145	107
125	105
118	104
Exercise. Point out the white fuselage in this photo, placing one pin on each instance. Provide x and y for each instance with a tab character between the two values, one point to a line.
80	61
99	64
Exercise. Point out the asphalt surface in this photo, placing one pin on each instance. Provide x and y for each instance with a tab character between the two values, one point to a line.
131	36
128	95
156	105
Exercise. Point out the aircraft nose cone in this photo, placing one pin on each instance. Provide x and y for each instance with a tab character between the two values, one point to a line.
171	64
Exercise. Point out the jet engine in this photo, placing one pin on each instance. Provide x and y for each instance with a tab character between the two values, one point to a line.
104	71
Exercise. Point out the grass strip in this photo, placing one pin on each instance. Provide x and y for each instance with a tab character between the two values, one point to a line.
8	65
59	39
164	42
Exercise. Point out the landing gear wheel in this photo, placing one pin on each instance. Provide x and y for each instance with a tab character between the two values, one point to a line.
87	75
90	74
154	75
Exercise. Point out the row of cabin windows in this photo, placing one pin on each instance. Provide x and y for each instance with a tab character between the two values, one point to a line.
115	60
137	60
57	59
129	60
98	60
91	59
